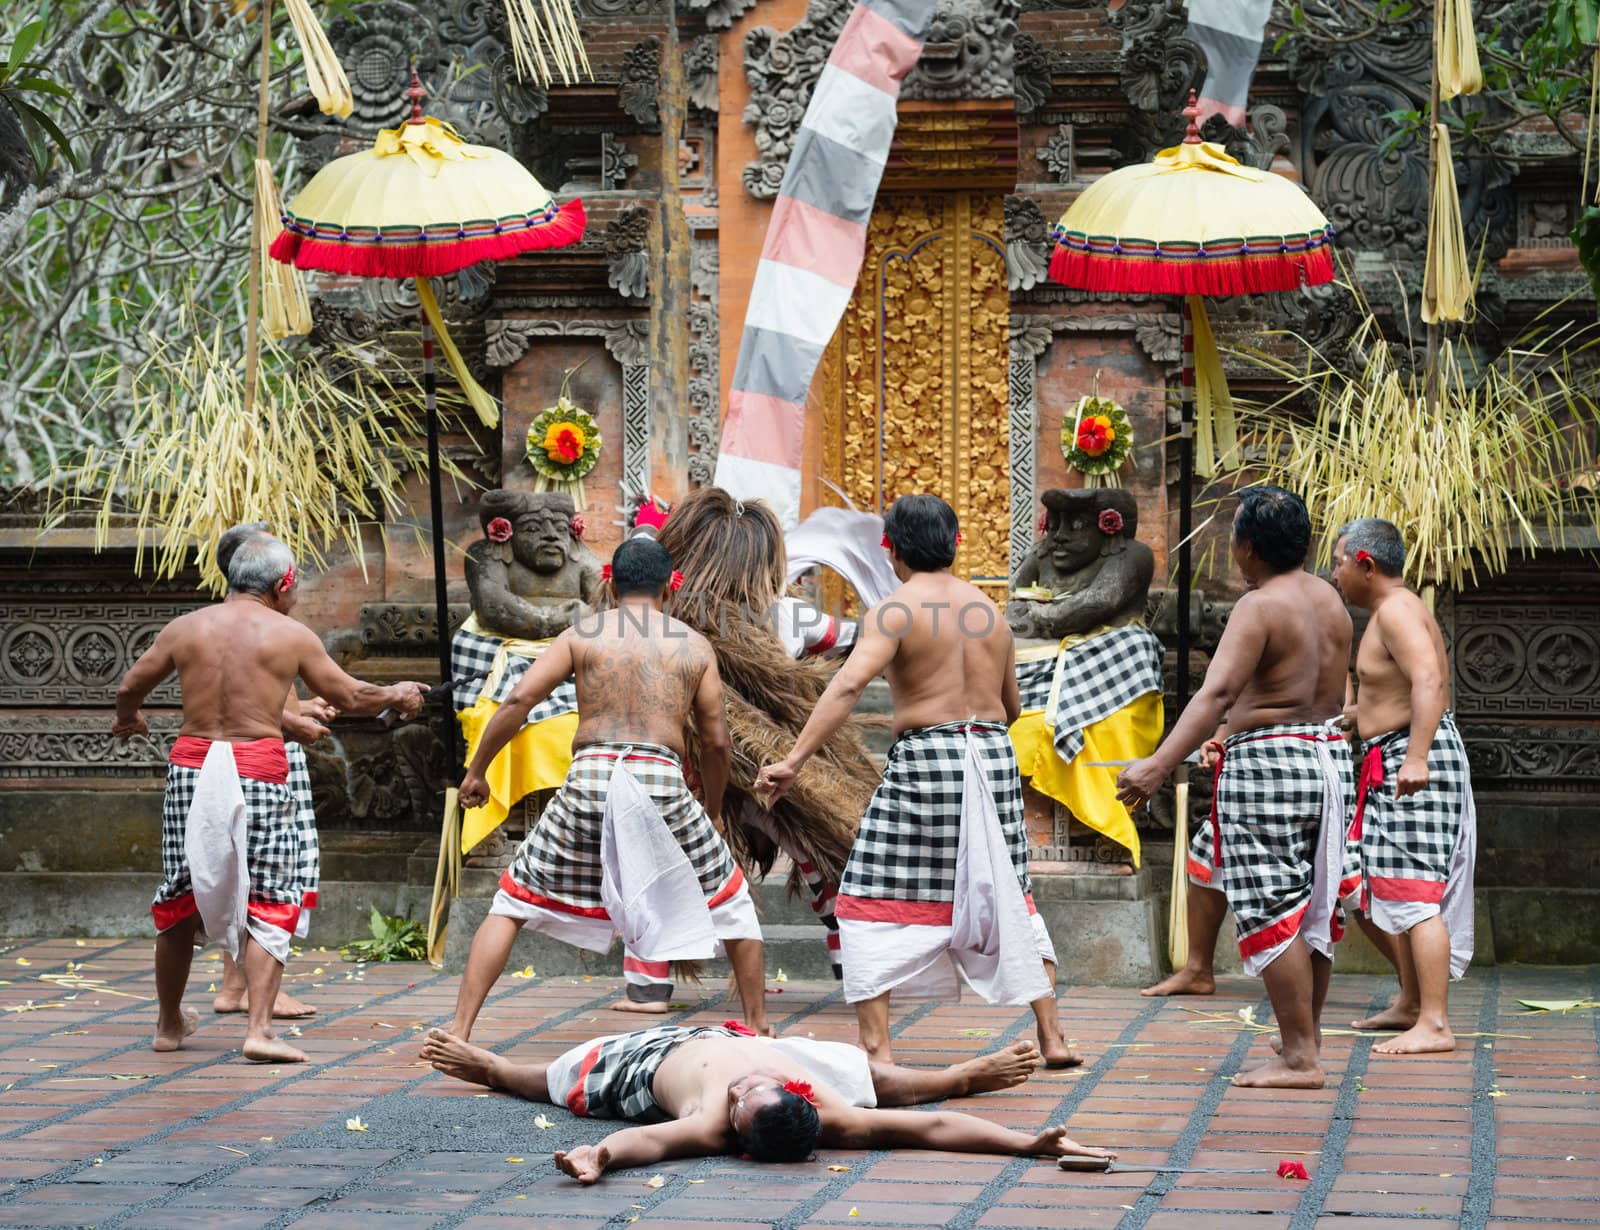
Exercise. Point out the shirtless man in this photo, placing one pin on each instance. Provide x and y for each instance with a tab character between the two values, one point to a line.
1414	811
236	662
641	677
1278	678
700	1092
949	656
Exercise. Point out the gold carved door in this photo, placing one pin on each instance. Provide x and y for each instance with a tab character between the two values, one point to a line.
915	382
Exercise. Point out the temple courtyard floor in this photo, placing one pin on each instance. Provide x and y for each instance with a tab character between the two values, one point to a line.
97	1130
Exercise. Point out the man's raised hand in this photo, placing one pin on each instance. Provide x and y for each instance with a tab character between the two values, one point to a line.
775	781
302	727
318	710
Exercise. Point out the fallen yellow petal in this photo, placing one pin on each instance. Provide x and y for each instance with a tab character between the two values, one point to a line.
355	1125
540	1122
24	961
694	1180
782	977
853	1212
839	1169
659	1180
525	972
513	1160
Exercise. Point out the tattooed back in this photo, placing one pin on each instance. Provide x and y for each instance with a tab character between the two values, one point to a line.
638	673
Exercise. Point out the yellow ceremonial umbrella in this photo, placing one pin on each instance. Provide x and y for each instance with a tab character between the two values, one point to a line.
424	203
1192	222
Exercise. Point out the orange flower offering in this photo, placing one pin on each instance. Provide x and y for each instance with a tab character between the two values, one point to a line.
564	442
1096	434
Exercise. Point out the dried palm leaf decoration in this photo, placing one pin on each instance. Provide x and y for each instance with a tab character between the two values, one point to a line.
324	73
545	40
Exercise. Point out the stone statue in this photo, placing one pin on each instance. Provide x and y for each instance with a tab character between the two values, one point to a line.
530	575
1089	559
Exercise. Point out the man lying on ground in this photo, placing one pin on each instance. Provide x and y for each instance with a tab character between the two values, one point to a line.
708	1090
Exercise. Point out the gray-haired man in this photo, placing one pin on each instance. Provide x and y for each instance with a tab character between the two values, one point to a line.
228	847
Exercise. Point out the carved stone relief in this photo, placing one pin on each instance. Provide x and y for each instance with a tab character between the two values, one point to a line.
641	72
700	64
1514	658
404	628
720	14
705	375
74	653
968	52
627	266
1027	243
1056	154
66	745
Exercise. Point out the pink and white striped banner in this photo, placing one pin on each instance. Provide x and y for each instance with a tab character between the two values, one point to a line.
815	243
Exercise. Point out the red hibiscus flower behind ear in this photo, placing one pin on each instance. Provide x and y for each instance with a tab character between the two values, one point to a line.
1110	521
677	580
605	573
577	525
498	530
802	1088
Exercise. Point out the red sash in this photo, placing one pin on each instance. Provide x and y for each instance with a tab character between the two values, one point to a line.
264	760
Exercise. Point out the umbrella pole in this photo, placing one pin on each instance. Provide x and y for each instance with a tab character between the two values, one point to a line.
1185	506
441	602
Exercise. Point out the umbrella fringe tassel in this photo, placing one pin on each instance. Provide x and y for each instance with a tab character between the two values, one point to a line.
286	310
431	259
1189	274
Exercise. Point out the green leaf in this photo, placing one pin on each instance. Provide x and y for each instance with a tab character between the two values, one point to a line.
27	39
34	120
1586	235
39	85
378	925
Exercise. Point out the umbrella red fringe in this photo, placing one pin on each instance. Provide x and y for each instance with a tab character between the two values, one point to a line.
1141	274
432	259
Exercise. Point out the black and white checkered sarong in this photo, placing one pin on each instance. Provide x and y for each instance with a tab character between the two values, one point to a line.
1272	798
473	653
906	847
614	1078
308	873
1099	676
560	859
272	844
1408	843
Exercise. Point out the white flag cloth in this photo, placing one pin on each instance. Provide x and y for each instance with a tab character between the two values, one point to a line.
215	841
648	886
849	542
991	933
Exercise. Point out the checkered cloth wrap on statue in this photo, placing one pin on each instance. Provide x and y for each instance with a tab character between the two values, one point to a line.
472	653
906	847
1281	804
1418	852
1099	676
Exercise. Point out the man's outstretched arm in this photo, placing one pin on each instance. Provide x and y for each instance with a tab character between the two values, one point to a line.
947	1131
699	1136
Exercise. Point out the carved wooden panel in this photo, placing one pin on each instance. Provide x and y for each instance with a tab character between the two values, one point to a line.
921	395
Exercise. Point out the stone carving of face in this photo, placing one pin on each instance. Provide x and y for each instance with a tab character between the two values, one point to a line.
1076	541
543	538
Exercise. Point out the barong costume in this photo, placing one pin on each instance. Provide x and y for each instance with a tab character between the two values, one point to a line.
230	845
614	1077
538	755
1277	837
623	847
309	873
937	883
1418	852
1093	698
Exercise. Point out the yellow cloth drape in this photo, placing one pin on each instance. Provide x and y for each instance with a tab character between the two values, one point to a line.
536	758
1131	733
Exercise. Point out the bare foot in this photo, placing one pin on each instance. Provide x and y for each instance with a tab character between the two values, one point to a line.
1001	1069
458	1058
1185	982
1395	1016
1054	1142
1275	1074
168	1039
586	1163
1056	1052
654	1008
285	1008
1420	1039
271	1049
765	1029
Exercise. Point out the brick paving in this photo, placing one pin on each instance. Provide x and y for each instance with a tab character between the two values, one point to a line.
97	1130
